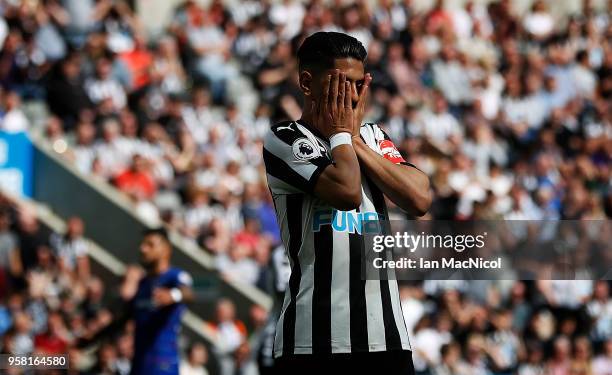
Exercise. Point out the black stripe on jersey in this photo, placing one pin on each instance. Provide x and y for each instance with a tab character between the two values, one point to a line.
357	298
392	336
321	294
321	162
276	167
294	222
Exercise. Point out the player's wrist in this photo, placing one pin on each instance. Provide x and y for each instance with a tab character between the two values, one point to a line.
176	294
341	138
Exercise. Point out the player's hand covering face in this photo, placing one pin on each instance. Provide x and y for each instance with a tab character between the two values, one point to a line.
333	111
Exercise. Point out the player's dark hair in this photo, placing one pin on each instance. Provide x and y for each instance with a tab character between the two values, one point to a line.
319	50
162	232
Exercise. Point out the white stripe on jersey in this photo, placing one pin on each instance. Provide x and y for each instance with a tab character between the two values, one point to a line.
341	314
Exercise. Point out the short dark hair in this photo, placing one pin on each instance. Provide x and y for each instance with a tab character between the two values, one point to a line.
162	232
319	50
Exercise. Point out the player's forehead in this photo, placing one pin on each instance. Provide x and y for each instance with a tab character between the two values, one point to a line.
153	239
353	68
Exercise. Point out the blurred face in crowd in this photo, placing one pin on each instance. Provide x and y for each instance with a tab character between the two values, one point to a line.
4	220
440	104
561	348
22	322
12	101
503	320
139	164
85	133
125	346
282	51
533	83
75	227
110	130
550	83
601	291
201	97
535	355
129	125
351	18
95	289
375	52
225	311
452	354
475	345
608	347
238	252
198	355
107	355
154	249
582	349
71	68
396	52
28	222
513	86
103	68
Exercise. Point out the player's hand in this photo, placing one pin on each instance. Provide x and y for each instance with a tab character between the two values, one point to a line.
359	111
162	297
333	113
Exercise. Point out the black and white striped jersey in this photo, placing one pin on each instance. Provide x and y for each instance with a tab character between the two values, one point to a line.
328	308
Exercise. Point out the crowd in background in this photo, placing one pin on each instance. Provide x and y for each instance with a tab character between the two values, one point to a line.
508	113
51	303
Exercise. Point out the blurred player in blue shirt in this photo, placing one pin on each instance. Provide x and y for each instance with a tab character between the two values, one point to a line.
156	308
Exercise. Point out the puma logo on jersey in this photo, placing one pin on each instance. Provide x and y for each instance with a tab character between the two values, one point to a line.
288	127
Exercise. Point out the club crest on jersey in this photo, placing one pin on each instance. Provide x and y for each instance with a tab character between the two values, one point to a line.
389	151
304	149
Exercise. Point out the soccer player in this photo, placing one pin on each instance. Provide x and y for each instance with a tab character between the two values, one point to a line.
156	305
326	165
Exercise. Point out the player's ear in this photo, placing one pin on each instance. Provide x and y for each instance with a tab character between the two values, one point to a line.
306	81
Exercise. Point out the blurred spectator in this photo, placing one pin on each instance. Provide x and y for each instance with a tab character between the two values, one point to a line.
71	249
232	334
32	239
231	331
195	363
56	339
450	361
561	357
533	365
66	95
137	180
603	362
13	120
10	261
539	22
104	90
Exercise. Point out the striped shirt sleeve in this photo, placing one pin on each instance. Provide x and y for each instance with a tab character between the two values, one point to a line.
293	160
